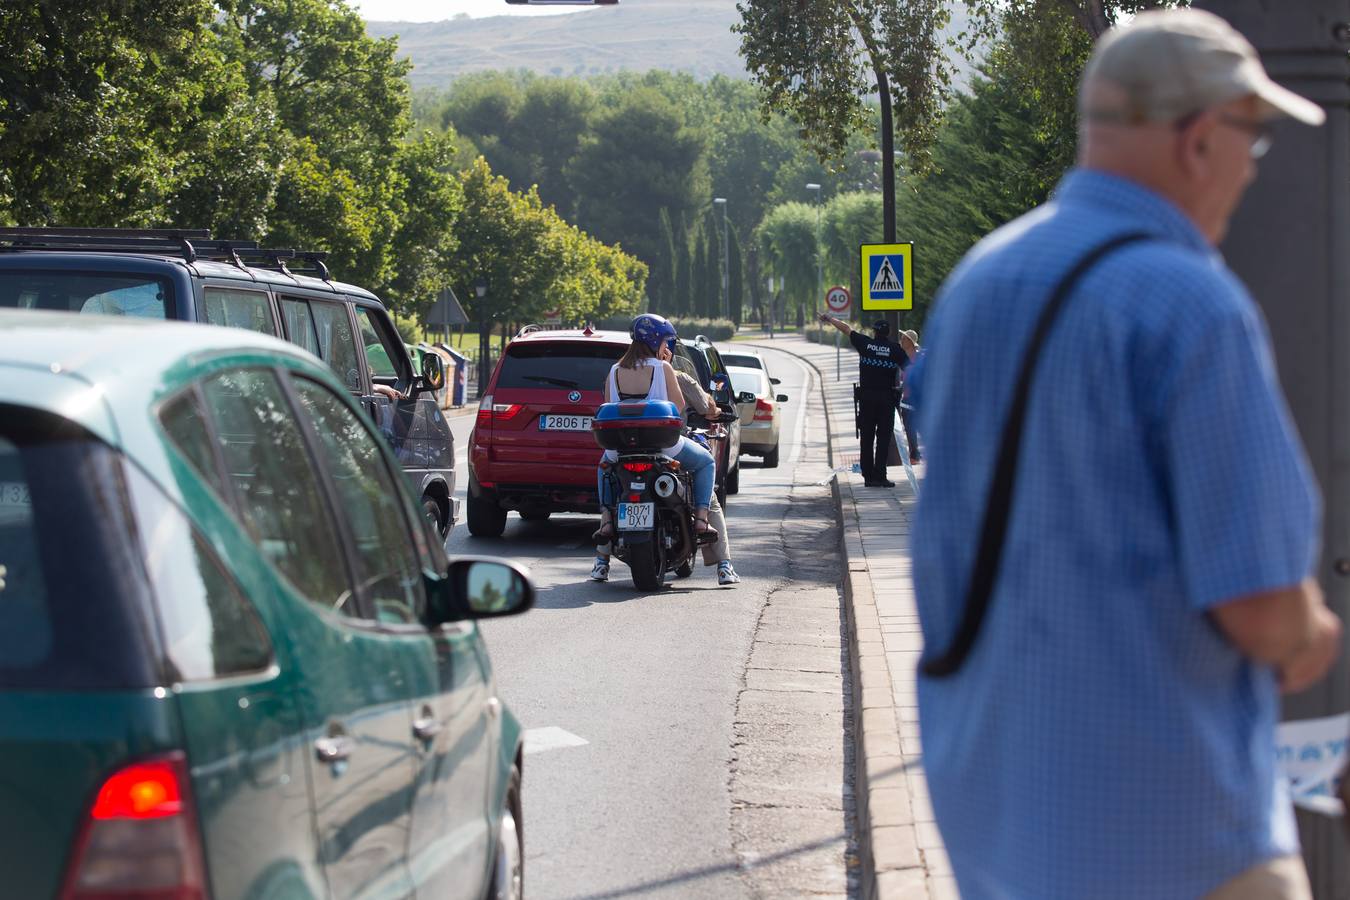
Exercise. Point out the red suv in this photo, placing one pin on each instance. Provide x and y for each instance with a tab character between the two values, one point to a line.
531	448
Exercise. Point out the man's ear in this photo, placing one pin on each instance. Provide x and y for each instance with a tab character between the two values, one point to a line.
1193	147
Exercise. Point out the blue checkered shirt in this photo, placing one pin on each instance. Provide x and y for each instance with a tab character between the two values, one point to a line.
1104	740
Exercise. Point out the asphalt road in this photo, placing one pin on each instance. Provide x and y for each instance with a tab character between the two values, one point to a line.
690	742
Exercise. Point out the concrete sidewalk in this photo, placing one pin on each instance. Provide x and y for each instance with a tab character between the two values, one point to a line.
901	850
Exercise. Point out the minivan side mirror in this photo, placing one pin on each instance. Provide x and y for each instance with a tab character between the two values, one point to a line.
773	380
478	588
745	397
433	371
781	398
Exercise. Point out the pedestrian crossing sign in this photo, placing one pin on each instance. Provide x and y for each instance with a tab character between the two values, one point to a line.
887	276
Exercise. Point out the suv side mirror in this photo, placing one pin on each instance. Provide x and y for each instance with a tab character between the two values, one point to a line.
721	390
433	371
478	588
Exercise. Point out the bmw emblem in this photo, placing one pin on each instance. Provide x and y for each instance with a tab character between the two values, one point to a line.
575	396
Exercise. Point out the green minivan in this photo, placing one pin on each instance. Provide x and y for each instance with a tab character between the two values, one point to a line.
234	663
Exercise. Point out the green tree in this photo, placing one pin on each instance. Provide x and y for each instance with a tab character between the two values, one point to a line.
699	288
641	156
787	238
126	114
847	221
342	100
663	267
684	271
533	260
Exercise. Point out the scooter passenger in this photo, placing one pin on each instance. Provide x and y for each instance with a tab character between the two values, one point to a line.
644	373
698	400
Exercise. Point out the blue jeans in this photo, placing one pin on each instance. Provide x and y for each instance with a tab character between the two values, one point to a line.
692	458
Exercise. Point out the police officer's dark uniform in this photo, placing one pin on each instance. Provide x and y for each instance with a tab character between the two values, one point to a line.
879	363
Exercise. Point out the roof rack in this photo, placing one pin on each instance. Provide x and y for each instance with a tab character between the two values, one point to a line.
189	243
115	240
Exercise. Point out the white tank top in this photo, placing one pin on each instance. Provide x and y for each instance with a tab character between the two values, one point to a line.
657	391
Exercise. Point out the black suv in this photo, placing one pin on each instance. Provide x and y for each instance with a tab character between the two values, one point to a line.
699	358
188	276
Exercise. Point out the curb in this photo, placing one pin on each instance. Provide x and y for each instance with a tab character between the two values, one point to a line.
888	841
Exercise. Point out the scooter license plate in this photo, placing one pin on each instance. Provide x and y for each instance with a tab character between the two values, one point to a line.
636	516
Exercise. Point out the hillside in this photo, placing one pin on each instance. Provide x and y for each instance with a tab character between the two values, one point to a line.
679	35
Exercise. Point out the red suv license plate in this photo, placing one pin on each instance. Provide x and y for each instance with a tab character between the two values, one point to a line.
564	423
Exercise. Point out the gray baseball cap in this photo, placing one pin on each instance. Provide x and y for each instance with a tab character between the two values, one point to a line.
1175	62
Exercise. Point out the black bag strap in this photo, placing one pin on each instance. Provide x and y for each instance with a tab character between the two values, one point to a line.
994	528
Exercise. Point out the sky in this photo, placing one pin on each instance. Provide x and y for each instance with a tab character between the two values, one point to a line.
437	10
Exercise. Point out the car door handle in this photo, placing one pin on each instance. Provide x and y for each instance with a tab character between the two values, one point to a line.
333	749
426	728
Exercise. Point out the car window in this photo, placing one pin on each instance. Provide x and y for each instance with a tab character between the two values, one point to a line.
186	428
383	351
210	630
238	309
746	380
337	344
140	296
744	360
277	494
71	597
299	322
688	361
558	364
388	568
682	363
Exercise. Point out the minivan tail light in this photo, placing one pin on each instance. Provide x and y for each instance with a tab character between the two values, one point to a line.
140	839
763	410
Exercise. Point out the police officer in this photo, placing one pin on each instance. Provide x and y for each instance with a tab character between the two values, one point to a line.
880	361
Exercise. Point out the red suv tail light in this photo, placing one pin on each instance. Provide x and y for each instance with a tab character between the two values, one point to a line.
140	840
763	410
488	411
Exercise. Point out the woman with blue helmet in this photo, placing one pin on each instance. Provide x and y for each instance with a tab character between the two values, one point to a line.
644	373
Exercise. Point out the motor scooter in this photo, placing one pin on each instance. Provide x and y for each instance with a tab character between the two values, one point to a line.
653	511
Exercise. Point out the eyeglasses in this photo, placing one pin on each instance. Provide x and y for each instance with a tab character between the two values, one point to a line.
1260	132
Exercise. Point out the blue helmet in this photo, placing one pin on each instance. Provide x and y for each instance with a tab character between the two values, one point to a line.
653	330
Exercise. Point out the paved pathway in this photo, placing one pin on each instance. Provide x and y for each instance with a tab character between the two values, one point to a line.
901	849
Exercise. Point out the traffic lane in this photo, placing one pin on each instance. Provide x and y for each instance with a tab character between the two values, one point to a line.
650	683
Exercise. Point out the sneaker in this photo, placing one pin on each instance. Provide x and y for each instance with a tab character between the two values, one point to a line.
726	574
600	571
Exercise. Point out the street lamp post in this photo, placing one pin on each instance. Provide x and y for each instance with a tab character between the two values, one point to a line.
480	289
820	276
724	262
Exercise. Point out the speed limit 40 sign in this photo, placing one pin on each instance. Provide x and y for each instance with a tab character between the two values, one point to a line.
838	299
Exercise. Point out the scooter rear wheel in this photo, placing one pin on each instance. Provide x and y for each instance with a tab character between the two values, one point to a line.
647	563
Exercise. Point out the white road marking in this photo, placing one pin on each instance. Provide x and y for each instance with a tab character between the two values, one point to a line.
541	740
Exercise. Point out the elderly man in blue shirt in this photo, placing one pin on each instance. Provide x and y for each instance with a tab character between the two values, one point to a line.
1105	728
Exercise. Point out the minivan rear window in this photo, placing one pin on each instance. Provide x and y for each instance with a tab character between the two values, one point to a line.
558	364
138	296
72	612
